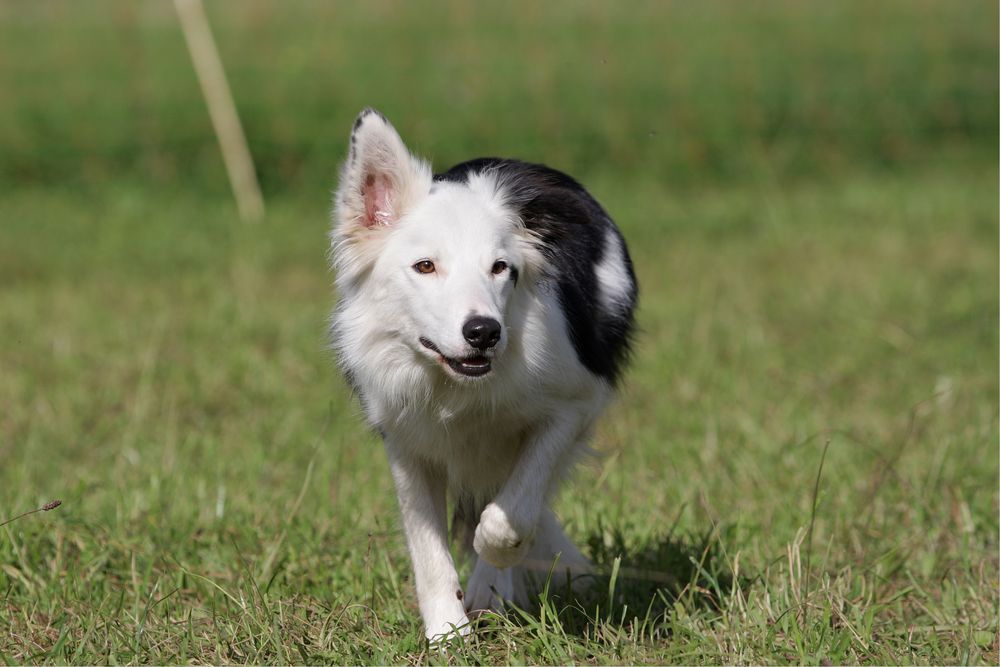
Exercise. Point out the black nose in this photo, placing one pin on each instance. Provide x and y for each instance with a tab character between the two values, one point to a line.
481	332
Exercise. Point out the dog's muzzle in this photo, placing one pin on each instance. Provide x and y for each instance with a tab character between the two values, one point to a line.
473	366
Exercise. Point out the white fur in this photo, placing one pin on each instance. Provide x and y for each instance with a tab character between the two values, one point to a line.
505	439
613	282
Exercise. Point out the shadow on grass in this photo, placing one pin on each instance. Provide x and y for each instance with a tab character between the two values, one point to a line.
638	585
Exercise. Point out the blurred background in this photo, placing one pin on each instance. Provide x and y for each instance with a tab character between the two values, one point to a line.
678	93
810	194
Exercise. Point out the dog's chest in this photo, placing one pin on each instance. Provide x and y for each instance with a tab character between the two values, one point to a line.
477	445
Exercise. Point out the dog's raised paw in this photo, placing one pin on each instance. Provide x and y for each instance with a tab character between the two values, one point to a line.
500	541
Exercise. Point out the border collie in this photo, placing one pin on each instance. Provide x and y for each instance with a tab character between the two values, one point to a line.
483	320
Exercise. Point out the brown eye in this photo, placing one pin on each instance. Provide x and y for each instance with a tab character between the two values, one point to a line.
424	266
499	267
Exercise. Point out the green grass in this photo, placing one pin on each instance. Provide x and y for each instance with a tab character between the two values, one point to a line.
803	463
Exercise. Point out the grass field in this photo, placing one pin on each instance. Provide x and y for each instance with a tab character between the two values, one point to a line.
803	465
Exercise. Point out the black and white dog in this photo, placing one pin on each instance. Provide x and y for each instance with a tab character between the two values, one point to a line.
484	318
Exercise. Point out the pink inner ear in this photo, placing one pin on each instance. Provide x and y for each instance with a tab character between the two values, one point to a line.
377	192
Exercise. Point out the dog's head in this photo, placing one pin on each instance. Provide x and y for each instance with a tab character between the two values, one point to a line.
439	261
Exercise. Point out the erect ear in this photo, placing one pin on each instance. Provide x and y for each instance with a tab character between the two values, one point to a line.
381	180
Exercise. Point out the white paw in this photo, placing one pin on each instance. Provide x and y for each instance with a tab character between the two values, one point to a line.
502	542
441	631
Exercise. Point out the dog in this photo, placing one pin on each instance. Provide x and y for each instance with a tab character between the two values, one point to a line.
484	318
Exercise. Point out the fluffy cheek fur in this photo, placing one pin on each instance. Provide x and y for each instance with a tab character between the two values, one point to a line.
377	360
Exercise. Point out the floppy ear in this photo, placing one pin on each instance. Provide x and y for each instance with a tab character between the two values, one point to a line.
381	180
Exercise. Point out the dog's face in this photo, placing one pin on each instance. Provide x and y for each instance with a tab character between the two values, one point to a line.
443	258
452	267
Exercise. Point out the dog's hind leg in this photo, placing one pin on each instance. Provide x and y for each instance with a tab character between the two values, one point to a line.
551	551
489	588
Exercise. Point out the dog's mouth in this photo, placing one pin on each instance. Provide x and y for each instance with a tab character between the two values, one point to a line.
474	366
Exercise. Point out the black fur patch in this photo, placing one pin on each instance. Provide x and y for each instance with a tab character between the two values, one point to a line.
572	229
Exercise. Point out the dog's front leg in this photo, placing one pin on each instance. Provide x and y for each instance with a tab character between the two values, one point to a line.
507	525
421	492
